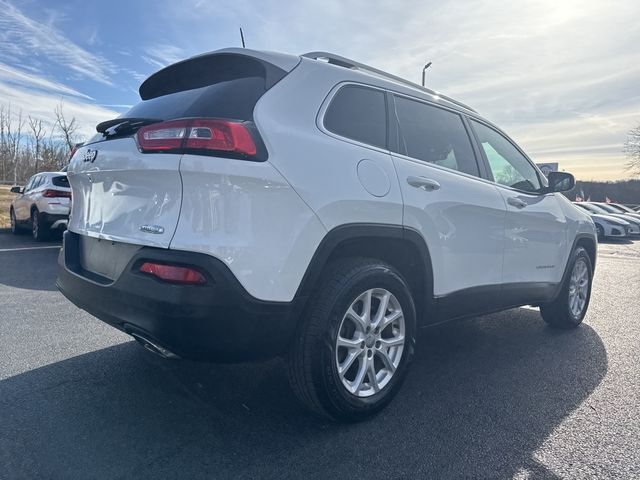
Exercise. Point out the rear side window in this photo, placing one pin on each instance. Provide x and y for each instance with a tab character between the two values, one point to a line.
61	181
358	113
434	135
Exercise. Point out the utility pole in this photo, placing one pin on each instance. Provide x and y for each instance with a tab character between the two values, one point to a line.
424	70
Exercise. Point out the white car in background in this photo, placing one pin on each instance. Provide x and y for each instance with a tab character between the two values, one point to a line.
608	226
42	205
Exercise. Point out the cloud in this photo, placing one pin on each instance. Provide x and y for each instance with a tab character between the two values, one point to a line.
21	37
561	77
42	105
163	54
15	76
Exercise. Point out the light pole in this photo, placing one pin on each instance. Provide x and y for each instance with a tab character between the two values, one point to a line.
424	71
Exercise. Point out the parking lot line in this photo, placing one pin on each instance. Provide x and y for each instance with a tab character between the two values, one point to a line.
28	248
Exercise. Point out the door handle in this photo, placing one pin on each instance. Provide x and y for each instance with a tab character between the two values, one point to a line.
424	183
516	202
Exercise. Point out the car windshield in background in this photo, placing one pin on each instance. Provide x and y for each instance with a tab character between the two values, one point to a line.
593	208
608	208
624	208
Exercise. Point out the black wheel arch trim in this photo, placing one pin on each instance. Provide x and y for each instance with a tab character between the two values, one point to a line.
361	231
576	240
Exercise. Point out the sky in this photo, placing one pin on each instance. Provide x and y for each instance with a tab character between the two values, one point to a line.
562	78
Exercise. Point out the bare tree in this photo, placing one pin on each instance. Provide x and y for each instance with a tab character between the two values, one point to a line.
4	149
68	128
632	150
37	138
14	138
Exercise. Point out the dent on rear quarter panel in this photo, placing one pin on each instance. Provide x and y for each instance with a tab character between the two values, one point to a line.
247	215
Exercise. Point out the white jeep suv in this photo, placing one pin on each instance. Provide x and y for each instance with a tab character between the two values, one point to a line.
256	204
42	205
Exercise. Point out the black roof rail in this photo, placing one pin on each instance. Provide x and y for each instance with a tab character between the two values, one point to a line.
334	59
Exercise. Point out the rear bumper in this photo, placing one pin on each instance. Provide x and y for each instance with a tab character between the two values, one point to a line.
55	220
218	321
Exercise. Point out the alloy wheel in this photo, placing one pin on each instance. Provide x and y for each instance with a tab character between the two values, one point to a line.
370	342
578	288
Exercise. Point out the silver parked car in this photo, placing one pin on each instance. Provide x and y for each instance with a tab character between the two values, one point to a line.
42	205
608	226
634	228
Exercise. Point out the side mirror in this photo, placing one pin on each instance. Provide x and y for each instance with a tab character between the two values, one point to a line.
16	190
561	182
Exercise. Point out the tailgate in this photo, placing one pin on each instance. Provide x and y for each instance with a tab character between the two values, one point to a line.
123	195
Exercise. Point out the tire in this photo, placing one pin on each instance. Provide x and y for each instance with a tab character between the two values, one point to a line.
314	356
15	228
563	313
39	229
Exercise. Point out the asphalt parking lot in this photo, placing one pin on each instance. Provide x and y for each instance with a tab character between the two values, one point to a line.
500	396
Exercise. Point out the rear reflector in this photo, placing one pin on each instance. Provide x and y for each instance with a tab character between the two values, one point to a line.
173	273
50	193
204	134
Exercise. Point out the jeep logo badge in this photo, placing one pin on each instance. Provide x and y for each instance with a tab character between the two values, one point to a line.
90	155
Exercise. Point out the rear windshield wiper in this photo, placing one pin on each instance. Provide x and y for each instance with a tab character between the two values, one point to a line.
119	126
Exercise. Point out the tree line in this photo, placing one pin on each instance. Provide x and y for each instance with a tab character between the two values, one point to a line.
28	145
623	191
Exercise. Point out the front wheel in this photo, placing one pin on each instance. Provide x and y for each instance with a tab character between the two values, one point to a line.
15	229
356	342
570	307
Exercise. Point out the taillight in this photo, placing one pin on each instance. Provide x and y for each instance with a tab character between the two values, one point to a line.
50	193
173	273
198	134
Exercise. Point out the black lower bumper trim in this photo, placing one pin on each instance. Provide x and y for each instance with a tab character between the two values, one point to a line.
218	321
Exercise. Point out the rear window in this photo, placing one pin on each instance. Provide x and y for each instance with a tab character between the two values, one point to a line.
219	85
232	99
358	113
61	181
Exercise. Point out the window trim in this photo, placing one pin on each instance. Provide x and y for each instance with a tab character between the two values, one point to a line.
487	165
393	118
329	99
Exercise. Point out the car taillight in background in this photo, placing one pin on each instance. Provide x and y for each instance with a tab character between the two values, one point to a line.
51	193
197	134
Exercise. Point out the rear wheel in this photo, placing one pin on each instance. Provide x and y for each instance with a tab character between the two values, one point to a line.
39	229
355	344
569	308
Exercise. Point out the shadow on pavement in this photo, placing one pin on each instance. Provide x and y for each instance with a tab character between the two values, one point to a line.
482	396
30	269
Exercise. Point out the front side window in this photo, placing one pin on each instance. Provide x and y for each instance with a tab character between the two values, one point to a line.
508	166
358	113
434	135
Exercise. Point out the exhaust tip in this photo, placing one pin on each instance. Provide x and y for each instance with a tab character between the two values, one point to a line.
153	347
